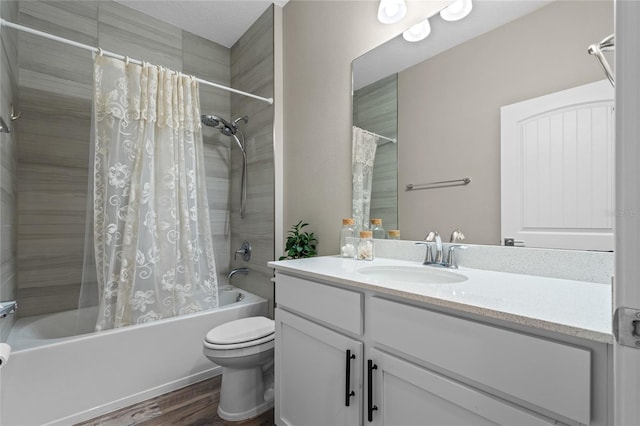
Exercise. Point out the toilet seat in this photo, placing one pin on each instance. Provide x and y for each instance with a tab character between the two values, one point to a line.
242	333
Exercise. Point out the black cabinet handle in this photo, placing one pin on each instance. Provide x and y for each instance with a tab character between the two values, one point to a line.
370	407
348	393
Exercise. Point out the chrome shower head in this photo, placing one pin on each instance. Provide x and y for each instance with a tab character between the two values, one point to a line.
227	129
210	120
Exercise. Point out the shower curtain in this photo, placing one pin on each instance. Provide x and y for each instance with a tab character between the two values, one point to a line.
151	232
363	155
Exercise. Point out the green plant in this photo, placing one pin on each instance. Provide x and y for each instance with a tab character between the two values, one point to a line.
300	244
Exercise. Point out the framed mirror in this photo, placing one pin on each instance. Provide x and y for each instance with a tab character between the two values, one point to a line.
441	99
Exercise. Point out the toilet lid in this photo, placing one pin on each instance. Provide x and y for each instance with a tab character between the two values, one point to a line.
240	331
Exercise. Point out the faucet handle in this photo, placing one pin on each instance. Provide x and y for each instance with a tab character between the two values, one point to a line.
451	257
456	236
432	236
428	258
245	251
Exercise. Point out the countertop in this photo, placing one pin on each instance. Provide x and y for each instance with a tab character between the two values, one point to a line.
574	308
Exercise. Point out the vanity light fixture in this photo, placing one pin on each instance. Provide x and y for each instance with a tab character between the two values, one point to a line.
456	10
418	32
391	11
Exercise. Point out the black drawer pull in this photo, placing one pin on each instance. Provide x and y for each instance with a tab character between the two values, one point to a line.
370	407
348	393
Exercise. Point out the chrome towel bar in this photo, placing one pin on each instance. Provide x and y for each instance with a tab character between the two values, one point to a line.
440	184
606	45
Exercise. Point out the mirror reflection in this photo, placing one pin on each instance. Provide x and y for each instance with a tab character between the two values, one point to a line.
442	98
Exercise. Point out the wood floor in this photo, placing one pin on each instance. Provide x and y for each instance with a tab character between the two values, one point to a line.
195	405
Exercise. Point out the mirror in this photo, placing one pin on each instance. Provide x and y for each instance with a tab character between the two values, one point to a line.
441	98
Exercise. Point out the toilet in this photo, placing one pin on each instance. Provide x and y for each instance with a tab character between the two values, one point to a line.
244	350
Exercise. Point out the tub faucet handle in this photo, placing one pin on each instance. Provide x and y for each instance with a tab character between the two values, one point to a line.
245	251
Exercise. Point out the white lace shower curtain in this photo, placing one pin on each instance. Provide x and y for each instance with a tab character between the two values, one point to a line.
363	155
152	238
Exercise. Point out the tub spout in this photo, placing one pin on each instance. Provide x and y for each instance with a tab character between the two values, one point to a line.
238	271
8	307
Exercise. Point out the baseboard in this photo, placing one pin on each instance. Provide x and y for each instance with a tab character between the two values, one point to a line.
136	398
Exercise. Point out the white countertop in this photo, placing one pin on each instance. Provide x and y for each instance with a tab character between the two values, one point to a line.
574	308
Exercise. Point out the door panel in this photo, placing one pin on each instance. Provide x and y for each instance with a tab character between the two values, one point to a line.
557	169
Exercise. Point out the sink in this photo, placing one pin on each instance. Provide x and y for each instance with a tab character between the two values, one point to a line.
412	274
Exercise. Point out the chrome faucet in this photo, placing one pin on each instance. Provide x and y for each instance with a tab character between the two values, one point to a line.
451	257
433	236
433	239
244	271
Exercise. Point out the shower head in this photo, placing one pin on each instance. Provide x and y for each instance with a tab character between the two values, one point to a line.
230	129
214	121
227	129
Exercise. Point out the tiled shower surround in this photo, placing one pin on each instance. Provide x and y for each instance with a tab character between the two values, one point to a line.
55	97
8	146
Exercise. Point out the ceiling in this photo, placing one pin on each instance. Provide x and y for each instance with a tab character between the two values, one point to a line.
225	21
222	21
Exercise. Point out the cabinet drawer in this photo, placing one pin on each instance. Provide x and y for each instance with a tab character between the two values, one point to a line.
550	375
335	306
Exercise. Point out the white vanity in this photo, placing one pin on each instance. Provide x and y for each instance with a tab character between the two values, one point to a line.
357	346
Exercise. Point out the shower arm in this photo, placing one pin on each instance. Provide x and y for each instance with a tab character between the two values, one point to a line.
606	45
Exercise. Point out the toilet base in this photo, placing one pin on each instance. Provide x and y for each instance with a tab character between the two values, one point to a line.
245	393
256	411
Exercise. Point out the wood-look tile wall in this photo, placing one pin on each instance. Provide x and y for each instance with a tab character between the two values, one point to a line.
8	144
375	108
252	70
55	88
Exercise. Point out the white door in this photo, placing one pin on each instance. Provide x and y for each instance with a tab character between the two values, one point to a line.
557	162
627	226
317	381
405	394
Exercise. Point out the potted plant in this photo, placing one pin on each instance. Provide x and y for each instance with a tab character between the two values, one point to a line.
300	244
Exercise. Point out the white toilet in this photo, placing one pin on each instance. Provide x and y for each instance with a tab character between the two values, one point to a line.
244	350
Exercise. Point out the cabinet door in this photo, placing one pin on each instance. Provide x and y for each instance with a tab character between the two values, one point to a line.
314	376
405	394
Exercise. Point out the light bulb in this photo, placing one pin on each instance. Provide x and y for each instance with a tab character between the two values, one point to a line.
391	11
456	10
418	32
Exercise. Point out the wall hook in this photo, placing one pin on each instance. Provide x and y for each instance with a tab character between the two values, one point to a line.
14	117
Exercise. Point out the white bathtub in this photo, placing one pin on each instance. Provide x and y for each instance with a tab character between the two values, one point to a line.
56	378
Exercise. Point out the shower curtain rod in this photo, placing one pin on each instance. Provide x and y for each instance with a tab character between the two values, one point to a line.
118	56
391	140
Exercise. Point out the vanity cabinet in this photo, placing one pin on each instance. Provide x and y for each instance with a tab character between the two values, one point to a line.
356	357
319	374
318	368
406	394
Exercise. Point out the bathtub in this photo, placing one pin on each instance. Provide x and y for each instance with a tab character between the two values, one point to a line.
59	374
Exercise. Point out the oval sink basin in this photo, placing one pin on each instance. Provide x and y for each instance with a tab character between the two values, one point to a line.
413	274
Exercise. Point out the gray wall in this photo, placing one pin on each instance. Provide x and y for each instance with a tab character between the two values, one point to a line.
252	70
449	111
8	146
320	39
55	100
375	108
